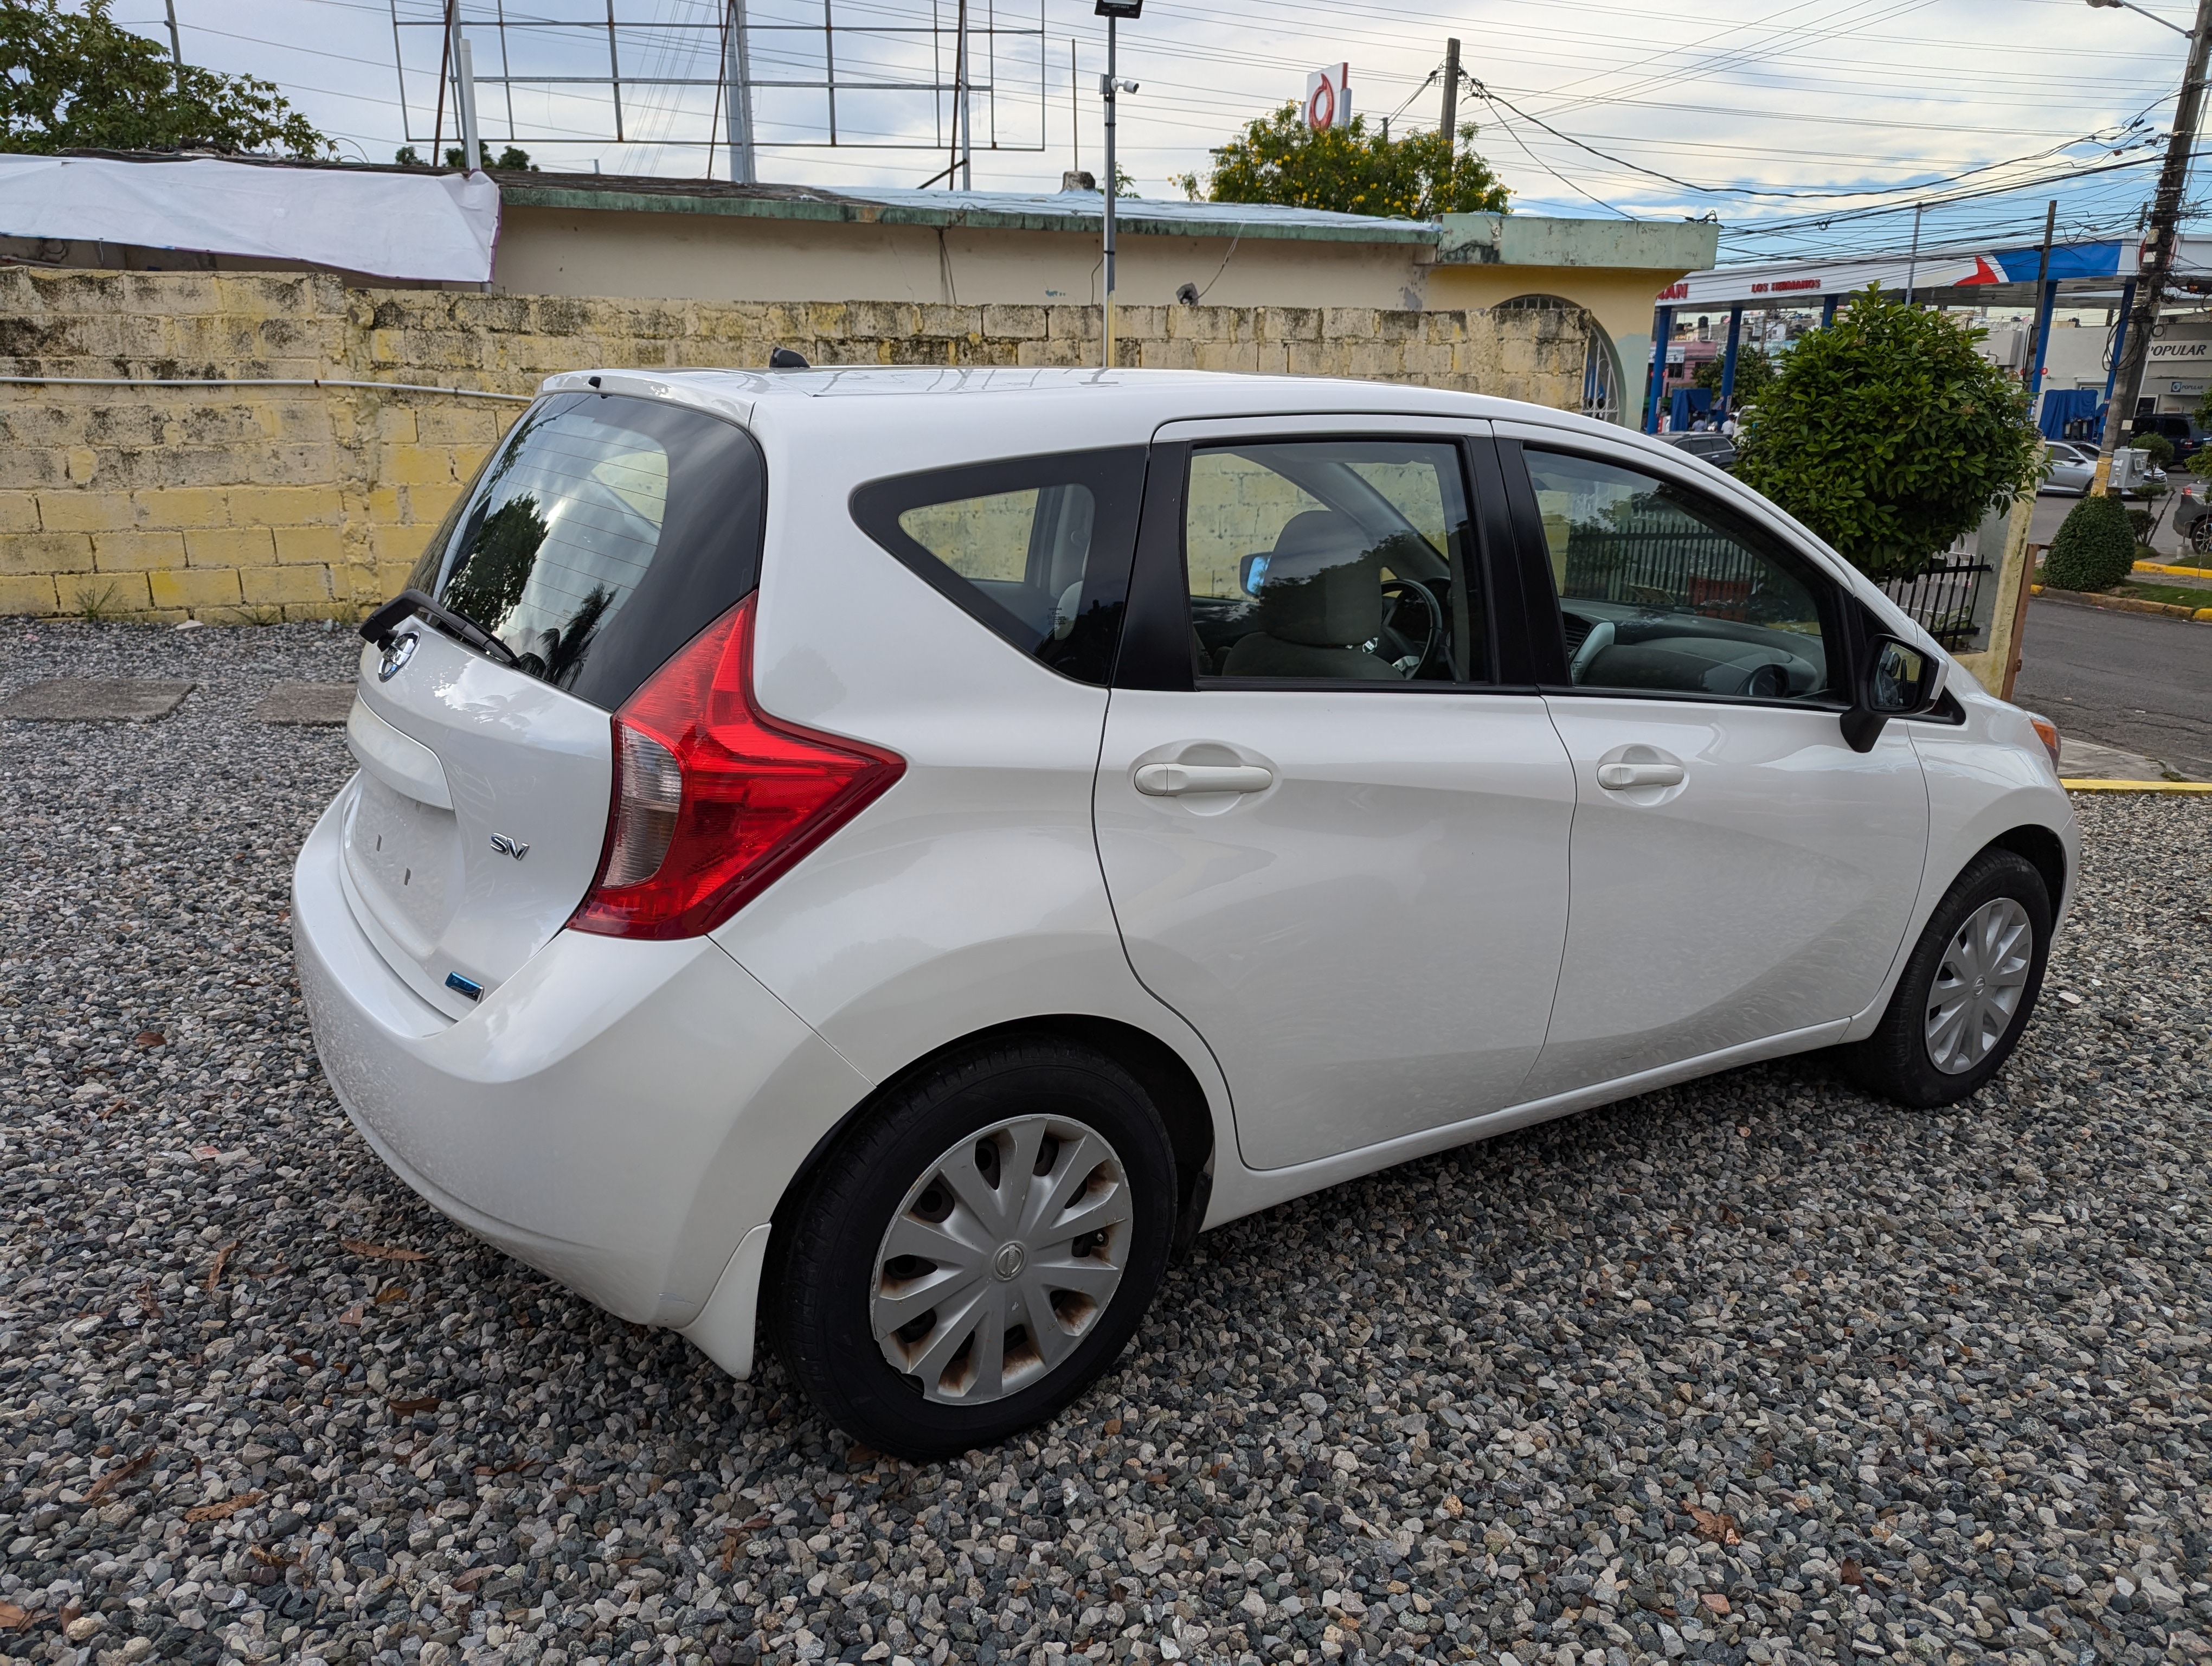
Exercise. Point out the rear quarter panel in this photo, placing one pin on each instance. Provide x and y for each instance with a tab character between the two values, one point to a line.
970	894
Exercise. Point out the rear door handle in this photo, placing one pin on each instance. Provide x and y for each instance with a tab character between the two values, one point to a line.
1619	777
1171	781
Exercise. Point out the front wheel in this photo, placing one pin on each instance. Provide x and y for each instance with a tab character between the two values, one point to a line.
1966	992
978	1250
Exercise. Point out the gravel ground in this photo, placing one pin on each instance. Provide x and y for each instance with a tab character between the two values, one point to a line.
1754	1369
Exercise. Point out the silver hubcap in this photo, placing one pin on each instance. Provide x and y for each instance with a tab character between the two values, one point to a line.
1002	1258
1979	985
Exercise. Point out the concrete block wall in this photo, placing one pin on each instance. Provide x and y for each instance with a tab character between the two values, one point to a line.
260	503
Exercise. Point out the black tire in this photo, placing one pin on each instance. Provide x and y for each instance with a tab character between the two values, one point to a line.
1895	1059
823	1268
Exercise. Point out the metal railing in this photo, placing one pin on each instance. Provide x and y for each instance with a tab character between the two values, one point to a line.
1944	596
1663	564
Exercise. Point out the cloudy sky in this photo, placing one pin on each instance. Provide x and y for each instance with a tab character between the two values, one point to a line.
1645	107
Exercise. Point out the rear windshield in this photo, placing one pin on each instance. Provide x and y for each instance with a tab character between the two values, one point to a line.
603	533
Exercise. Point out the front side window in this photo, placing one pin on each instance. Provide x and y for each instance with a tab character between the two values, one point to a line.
1035	548
605	532
1332	560
1662	591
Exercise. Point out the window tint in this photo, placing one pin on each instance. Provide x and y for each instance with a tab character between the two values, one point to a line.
603	533
1341	560
1036	548
1660	589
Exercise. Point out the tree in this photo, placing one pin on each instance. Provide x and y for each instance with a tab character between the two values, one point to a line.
1354	170
514	158
80	81
1753	371
1889	435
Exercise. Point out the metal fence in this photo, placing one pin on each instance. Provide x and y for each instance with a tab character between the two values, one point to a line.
1944	596
1659	562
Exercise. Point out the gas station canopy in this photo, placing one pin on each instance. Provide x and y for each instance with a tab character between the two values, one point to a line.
1995	277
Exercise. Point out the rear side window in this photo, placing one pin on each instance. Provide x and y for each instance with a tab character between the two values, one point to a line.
603	533
1037	549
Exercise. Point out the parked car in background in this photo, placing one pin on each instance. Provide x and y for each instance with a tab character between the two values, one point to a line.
2192	513
2072	466
2180	430
1708	445
906	848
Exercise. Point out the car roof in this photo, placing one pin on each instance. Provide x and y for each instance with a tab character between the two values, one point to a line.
1131	403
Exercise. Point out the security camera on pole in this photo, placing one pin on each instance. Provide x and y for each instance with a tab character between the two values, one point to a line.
1109	84
2158	248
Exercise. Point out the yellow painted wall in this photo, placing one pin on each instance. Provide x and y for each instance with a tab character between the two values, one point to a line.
310	503
707	256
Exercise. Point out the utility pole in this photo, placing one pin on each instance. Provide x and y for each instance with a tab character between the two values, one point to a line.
737	68
176	47
1449	128
964	152
464	100
1912	262
2046	296
2158	248
1110	84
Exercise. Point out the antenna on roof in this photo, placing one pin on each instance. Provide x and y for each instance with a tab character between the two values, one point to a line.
784	359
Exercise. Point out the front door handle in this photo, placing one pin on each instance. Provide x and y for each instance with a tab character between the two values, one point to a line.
1620	777
1171	781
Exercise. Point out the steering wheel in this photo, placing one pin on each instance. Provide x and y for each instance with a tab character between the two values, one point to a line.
1434	644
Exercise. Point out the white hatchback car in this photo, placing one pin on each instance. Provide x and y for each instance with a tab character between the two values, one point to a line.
897	851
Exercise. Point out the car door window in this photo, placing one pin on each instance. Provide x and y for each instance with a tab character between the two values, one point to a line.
1332	561
1661	590
1035	548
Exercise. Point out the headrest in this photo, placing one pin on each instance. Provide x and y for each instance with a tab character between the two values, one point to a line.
1322	587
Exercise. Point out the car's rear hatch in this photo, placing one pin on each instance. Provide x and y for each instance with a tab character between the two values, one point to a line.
605	532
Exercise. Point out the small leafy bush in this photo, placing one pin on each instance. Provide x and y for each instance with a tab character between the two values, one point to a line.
2096	548
1890	436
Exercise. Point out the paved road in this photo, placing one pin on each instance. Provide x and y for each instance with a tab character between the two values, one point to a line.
2134	680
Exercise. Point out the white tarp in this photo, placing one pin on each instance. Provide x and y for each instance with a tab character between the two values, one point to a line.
429	227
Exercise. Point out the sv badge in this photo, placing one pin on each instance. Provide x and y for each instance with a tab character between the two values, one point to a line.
508	846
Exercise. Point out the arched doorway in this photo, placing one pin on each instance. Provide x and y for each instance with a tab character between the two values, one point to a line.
1601	381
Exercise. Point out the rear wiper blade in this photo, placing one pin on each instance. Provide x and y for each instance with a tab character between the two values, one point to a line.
380	626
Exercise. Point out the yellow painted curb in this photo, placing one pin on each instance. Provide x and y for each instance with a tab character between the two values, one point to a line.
2186	787
2179	572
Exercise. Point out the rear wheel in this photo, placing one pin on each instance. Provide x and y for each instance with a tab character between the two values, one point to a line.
978	1251
1966	992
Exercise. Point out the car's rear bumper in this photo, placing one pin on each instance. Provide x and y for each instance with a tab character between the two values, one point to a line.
618	1114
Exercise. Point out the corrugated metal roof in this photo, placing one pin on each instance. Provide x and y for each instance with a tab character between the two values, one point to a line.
1085	209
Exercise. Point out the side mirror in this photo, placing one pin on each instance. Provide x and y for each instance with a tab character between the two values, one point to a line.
1900	681
1252	573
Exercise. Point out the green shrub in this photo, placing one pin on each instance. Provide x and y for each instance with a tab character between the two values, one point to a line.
1889	435
2139	523
2096	548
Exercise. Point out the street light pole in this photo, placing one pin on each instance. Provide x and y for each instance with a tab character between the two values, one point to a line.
2158	248
1109	84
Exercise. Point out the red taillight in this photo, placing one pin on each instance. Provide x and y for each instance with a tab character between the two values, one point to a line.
714	799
